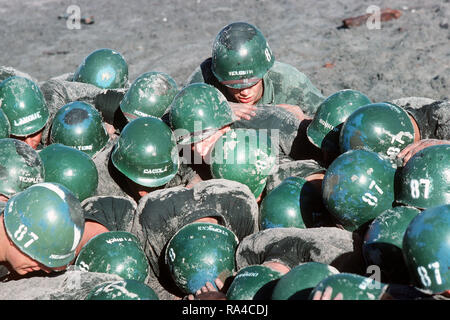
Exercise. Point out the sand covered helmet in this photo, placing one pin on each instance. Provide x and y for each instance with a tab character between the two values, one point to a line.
352	286
252	283
24	105
104	68
146	152
246	156
46	222
426	249
70	167
114	252
20	166
357	187
5	127
424	181
323	131
384	128
298	283
197	111
149	96
200	252
126	289
241	55
79	125
383	243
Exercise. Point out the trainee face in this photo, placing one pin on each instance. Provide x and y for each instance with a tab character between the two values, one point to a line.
32	140
249	95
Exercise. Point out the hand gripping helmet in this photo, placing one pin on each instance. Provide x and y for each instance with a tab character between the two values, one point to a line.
146	152
252	283
426	249
424	181
20	166
379	127
197	111
24	105
70	167
104	68
46	222
79	125
241	55
122	290
323	131
357	187
200	252
5	127
383	243
352	287
114	252
149	96
298	283
245	156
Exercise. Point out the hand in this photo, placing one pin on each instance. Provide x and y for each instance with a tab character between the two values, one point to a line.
242	110
296	110
207	290
327	295
415	147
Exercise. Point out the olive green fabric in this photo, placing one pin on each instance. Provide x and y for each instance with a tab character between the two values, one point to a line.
20	166
351	286
197	111
46	222
149	95
115	252
424	181
200	253
380	127
357	187
104	68
146	152
241	55
70	167
24	105
324	130
122	290
298	283
79	125
426	249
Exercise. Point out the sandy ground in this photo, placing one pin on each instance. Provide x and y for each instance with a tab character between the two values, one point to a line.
408	56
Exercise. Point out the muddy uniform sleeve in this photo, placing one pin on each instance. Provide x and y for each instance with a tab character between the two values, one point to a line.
433	120
293	246
163	212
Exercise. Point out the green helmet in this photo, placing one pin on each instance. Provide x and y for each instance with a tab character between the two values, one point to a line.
245	156
426	249
301	280
104	68
114	252
5	127
197	111
146	152
323	131
70	167
424	181
46	222
24	105
357	187
352	287
383	243
241	55
79	125
149	96
379	127
122	290
20	166
200	252
252	283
